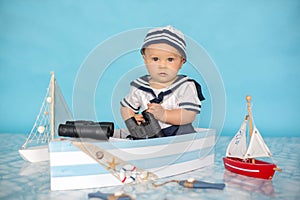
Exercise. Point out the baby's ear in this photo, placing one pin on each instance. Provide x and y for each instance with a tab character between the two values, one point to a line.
182	62
144	58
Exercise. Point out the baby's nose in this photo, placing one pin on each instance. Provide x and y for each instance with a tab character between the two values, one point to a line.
163	64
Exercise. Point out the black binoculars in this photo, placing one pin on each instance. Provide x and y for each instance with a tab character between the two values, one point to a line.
86	129
150	128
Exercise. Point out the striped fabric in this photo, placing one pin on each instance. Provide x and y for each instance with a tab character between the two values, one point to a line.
185	91
71	168
168	35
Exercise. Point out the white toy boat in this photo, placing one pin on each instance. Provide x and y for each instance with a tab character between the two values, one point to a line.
53	111
72	167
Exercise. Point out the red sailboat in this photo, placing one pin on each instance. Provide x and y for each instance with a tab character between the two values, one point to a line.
243	161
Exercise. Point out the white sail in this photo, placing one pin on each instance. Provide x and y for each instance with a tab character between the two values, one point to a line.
61	109
257	146
237	146
53	111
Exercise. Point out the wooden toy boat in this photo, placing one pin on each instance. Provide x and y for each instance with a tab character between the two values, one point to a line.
53	111
77	166
243	161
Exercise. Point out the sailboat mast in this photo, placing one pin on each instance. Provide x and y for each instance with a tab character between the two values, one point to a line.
52	105
248	99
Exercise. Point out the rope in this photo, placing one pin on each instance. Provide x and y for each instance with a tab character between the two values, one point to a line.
161	184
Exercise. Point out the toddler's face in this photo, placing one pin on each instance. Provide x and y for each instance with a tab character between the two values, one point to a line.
163	63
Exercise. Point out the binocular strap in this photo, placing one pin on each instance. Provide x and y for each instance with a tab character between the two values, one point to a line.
122	170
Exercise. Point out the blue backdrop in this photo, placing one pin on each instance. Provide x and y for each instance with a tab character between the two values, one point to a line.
254	44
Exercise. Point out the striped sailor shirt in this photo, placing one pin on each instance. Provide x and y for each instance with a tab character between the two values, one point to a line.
183	93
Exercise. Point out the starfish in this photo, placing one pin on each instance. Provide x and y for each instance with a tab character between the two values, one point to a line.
112	164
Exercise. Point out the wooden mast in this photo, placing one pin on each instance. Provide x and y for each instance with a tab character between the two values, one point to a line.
52	105
248	99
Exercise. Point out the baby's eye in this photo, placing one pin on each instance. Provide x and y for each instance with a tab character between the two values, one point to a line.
155	59
170	59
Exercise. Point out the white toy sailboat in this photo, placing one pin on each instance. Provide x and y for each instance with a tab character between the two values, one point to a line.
241	160
53	111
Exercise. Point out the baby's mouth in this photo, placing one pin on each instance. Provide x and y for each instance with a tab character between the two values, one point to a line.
163	74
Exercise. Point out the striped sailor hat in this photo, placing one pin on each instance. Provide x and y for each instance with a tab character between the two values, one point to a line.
168	35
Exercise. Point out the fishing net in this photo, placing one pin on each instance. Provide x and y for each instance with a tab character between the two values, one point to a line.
41	130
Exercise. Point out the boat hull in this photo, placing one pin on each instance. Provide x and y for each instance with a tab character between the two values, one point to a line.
71	168
260	169
35	154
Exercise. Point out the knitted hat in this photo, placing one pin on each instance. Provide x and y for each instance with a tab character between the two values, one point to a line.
168	35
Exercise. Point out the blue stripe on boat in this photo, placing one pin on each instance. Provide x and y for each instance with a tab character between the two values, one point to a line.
171	159
77	170
93	169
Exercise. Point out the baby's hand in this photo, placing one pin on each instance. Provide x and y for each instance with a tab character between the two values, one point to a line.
139	118
157	110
